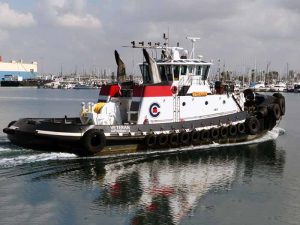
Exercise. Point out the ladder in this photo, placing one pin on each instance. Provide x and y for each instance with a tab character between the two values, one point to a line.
176	108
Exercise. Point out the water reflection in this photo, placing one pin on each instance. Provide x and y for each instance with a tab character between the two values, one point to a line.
145	190
165	190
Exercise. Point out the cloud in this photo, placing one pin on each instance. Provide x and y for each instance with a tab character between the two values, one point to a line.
69	13
71	20
231	30
10	18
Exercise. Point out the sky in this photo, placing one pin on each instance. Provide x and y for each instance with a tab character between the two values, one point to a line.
81	35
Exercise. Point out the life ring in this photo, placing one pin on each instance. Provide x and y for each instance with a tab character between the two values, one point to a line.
173	139
162	139
275	111
214	133
150	140
223	132
174	90
204	135
184	138
241	128
252	125
195	137
93	141
232	130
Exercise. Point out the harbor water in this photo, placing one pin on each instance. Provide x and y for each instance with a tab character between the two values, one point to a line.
258	183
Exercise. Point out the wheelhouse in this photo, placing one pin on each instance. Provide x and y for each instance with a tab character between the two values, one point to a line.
192	71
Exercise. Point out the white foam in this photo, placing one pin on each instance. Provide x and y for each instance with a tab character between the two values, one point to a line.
25	159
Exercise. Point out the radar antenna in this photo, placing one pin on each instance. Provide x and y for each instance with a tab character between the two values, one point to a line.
193	40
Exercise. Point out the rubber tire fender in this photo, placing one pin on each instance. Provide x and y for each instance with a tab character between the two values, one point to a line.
11	123
93	141
275	111
150	140
262	112
174	139
184	138
204	135
195	137
271	123
252	125
162	139
241	128
281	103
214	133
232	130
223	132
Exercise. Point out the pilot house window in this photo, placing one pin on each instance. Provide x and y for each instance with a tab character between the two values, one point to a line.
162	72
176	72
198	70
183	70
145	73
205	72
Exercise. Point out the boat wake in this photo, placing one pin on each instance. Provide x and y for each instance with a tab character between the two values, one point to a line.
12	156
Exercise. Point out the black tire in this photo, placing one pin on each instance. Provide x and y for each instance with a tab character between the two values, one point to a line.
281	103
93	141
270	123
174	139
241	128
275	111
11	123
262	112
195	137
278	95
214	133
204	135
184	138
150	140
162	139
232	130
252	125
223	132
249	95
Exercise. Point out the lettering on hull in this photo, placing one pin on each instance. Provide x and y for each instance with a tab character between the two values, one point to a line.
120	129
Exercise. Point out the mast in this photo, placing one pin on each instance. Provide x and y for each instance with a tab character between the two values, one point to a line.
193	40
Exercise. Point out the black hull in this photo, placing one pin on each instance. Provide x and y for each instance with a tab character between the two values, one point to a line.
27	135
24	83
114	147
10	83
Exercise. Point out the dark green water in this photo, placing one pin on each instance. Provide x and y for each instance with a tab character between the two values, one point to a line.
253	184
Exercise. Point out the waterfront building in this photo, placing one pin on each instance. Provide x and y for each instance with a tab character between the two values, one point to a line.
17	69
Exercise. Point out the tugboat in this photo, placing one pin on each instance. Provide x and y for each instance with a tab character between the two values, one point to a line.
174	108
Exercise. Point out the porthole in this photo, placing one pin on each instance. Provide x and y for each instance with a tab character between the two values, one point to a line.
224	101
183	104
206	102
